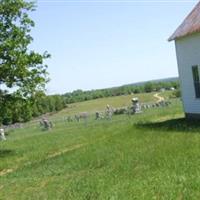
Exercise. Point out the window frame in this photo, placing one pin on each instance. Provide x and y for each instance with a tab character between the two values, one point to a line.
196	80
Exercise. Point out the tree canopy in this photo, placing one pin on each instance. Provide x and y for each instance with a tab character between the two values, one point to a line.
20	67
22	71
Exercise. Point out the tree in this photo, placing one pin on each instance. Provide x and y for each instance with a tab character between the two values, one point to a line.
20	68
148	87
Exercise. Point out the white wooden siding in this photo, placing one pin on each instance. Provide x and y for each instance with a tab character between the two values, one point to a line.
188	55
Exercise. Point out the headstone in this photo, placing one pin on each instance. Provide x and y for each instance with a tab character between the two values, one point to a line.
2	134
136	105
109	112
46	124
97	115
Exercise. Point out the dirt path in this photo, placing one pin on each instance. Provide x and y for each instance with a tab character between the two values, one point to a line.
158	97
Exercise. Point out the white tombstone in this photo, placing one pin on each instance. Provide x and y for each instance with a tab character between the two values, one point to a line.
2	134
136	105
109	112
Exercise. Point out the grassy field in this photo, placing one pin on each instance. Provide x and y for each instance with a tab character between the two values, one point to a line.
152	155
100	104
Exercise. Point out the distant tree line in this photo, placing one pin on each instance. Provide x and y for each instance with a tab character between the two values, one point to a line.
79	95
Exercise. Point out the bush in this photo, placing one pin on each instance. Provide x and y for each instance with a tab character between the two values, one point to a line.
176	94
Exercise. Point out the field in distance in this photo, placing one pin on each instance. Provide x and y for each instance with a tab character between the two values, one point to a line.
100	104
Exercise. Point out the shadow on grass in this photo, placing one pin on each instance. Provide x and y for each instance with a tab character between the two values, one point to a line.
180	124
6	152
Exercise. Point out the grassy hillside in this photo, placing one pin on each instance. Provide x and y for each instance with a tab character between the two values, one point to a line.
100	104
153	155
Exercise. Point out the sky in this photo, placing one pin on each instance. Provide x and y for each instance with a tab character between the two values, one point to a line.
100	44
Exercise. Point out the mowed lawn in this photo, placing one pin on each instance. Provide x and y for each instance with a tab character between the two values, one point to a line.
152	155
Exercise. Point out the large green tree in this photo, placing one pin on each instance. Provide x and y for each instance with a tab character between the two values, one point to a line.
20	67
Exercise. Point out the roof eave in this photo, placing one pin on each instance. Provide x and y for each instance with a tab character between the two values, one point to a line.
171	39
174	37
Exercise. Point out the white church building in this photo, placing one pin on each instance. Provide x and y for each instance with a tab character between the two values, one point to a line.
187	42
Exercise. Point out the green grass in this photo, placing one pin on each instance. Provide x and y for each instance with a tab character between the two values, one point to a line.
153	155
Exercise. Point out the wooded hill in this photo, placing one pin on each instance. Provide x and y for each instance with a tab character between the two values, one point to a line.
140	87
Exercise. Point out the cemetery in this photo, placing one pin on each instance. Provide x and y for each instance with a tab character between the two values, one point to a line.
134	141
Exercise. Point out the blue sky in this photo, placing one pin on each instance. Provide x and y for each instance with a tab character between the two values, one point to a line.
99	44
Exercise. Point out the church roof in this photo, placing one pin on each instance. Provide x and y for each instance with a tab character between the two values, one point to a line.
190	25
